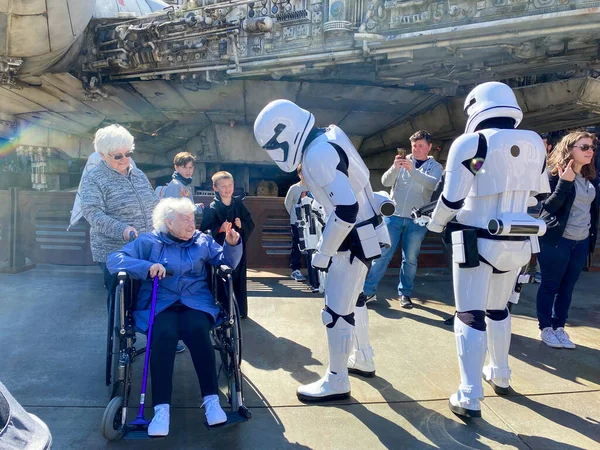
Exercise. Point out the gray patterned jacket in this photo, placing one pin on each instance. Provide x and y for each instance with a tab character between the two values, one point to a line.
111	202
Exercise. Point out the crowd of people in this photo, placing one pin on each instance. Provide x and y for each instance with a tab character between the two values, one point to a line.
143	230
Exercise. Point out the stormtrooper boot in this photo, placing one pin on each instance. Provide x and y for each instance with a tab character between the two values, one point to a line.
470	346
361	357
335	384
497	372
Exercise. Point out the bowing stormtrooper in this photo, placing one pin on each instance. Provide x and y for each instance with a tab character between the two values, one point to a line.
492	173
353	235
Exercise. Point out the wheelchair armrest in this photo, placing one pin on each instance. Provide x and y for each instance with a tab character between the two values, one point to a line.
122	276
224	270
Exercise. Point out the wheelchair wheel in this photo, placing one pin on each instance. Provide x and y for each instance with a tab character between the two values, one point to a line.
111	420
114	345
236	334
235	361
110	337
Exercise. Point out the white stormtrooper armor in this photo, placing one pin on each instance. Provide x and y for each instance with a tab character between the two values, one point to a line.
491	173
353	235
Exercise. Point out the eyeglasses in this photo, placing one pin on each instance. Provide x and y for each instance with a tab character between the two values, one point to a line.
585	147
119	156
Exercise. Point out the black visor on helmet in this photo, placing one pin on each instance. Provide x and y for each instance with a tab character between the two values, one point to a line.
274	144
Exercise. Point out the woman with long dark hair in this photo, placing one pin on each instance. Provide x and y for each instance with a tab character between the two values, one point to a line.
571	215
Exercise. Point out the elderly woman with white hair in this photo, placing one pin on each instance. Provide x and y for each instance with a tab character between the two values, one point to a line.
116	198
185	307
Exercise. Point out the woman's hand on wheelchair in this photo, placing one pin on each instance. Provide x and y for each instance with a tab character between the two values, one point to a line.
157	270
232	237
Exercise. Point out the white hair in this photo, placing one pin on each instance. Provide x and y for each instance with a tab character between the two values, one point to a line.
111	138
168	208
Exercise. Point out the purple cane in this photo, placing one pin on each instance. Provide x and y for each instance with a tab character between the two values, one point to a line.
140	420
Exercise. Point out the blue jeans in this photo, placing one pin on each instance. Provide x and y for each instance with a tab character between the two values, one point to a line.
412	235
561	266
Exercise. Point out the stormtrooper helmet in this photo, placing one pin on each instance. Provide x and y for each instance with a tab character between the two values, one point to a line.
281	129
490	100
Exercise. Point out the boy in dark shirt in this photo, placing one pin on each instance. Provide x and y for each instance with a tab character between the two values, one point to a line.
229	209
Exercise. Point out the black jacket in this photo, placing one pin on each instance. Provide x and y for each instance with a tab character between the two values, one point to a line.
214	216
557	207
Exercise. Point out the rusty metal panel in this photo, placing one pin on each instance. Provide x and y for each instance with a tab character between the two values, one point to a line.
28	36
28	7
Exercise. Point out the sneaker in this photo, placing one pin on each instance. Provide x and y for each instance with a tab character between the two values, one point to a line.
371	298
538	277
549	338
406	302
563	338
180	348
160	422
214	413
297	275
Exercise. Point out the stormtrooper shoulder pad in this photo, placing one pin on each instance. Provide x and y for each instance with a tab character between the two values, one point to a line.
464	149
321	161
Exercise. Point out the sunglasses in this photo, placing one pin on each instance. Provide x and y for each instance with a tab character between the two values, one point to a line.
119	156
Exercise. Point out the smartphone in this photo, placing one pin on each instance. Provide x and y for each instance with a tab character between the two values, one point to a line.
401	152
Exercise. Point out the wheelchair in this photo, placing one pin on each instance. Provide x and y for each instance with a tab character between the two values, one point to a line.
121	352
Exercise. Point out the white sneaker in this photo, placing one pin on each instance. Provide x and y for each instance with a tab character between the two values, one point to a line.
297	275
549	338
371	298
214	413
563	338
160	422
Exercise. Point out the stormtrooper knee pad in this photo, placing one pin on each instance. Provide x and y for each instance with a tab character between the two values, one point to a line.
330	317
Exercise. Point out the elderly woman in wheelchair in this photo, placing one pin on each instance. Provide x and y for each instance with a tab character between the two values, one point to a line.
185	306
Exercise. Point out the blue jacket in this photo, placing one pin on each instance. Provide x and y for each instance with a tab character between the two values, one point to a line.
186	259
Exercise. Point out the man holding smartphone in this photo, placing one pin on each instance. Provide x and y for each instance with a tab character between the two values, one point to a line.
412	178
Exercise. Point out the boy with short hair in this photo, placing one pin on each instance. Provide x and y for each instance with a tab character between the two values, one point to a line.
227	209
181	184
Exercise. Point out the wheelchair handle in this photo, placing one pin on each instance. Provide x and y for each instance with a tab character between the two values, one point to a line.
224	269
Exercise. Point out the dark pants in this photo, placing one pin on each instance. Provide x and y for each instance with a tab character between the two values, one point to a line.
110	283
295	255
560	266
313	274
193	327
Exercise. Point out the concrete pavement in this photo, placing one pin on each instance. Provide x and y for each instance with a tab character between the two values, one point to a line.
52	325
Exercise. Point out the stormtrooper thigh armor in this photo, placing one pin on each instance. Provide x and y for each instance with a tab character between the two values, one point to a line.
344	283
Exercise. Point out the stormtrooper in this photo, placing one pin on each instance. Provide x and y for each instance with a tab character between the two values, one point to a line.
492	173
353	235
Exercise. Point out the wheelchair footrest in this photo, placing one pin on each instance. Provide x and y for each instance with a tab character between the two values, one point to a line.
233	417
138	433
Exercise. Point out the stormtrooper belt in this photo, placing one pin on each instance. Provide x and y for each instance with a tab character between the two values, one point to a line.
353	243
481	233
